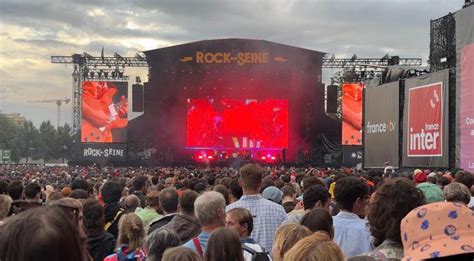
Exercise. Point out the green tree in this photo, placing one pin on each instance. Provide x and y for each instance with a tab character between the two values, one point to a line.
48	143
9	137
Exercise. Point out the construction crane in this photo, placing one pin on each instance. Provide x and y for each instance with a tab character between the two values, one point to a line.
58	102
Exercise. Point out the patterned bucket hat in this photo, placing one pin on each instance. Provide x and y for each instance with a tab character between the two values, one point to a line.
437	230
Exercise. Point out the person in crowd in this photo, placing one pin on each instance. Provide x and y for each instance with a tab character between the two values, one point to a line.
180	254
351	232
15	190
419	176
140	187
110	193
151	211
316	247
286	237
3	186
42	233
458	193
130	240
438	231
169	202
154	183
467	179
32	195
267	215
273	194
318	219
82	184
289	198
240	220
316	196
79	194
130	203
223	190
185	224
223	245
5	205
210	212
388	206
235	190
433	193
65	192
99	243
159	241
32	192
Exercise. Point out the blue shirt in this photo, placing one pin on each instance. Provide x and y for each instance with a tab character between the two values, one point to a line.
203	239
352	234
267	216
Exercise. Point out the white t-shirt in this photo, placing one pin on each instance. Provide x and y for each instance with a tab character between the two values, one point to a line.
256	247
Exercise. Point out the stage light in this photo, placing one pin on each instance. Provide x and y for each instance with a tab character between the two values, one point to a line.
268	155
273	158
200	157
210	157
264	158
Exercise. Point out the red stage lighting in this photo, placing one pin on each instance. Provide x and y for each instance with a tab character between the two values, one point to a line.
273	158
264	158
200	157
210	157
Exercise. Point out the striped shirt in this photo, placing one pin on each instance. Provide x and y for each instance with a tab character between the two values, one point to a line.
267	216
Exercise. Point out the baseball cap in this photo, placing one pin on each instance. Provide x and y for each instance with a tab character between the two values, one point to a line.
438	229
273	193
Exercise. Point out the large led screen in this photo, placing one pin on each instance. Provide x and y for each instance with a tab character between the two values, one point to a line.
237	124
352	113
104	112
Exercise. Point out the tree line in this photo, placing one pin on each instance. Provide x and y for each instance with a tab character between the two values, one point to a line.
45	142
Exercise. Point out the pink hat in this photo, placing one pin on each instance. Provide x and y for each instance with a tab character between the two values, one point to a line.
437	230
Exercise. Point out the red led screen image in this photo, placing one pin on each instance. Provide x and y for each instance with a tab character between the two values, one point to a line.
237	124
104	112
352	113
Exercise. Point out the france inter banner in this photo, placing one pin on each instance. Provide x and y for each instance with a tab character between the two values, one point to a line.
425	129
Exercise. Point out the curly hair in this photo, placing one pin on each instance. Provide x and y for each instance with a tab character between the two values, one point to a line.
389	205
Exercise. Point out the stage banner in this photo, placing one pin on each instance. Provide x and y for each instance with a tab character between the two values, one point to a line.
103	151
465	88
425	128
352	113
381	125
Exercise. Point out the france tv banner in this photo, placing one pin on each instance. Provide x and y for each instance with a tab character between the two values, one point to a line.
381	125
426	131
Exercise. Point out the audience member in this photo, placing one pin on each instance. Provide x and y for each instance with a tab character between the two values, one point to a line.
5	205
316	196
289	198
267	215
130	203
185	224
240	220
110	193
351	232
273	194
235	190
169	203
79	194
99	243
318	219
223	190
223	245
43	233
180	254
316	247
458	193
159	241
150	212
210	212
15	190
438	230
432	192
140	187
388	206
286	237
130	240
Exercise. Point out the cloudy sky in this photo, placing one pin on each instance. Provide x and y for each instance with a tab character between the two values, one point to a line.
33	30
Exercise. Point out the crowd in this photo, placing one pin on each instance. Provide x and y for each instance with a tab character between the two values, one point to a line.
220	214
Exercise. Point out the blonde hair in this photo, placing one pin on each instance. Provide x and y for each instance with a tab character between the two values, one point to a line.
286	237
131	231
5	205
317	247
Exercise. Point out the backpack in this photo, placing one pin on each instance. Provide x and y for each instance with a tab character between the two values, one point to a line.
257	256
